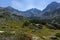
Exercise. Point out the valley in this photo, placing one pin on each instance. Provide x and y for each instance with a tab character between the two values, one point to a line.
32	24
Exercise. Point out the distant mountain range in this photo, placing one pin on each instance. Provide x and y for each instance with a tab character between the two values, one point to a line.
27	13
52	11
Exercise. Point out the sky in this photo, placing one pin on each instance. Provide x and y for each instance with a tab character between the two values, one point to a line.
26	4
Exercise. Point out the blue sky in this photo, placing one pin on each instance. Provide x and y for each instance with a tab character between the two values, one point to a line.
26	4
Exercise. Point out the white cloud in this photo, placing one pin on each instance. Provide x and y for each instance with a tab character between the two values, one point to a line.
17	4
27	4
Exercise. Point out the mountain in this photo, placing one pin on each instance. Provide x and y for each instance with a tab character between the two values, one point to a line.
8	16
51	12
9	20
32	12
52	6
14	25
56	15
12	10
48	11
27	13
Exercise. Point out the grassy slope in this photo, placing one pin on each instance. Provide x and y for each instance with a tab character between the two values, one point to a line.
17	26
12	25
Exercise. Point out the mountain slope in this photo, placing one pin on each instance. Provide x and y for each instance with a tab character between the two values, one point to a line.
8	16
27	13
33	12
48	11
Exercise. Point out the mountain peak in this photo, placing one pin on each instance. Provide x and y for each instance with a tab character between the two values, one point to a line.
9	7
33	9
52	6
54	3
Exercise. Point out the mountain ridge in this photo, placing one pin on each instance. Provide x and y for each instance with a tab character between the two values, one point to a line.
48	12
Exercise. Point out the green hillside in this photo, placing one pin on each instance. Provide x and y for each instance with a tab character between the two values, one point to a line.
14	27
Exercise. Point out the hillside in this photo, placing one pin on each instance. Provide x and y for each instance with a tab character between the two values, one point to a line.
48	12
27	13
32	24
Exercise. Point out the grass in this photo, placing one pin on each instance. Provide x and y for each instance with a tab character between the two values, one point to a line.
17	27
